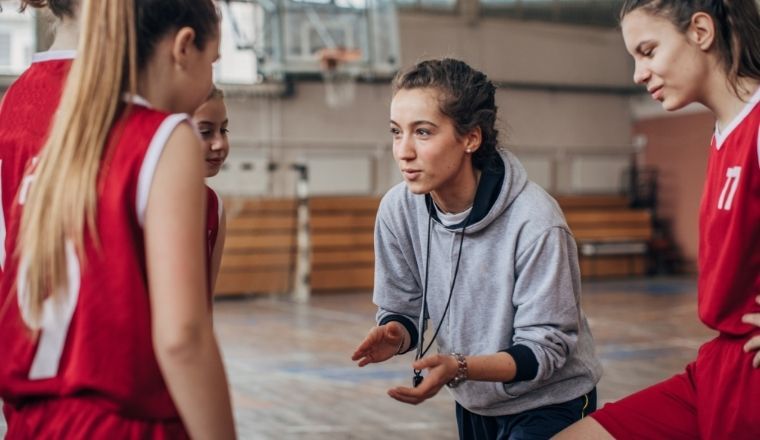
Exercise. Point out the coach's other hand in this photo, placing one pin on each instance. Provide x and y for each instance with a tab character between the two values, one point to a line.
754	342
382	343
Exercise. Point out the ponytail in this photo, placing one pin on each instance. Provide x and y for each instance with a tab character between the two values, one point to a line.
737	30
741	40
61	204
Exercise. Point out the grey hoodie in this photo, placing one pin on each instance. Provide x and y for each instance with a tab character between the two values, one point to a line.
518	285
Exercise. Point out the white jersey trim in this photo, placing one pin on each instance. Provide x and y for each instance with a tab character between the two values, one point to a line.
54	55
720	137
150	162
57	312
137	99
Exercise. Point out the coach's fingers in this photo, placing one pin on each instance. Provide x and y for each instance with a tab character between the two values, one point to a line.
381	344
370	341
754	345
412	396
751	318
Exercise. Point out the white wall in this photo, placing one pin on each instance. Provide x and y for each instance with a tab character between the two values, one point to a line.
517	51
563	101
18	29
557	102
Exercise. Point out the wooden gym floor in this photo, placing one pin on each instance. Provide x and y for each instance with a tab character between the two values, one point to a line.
292	378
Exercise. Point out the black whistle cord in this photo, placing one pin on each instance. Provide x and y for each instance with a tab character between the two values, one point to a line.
424	310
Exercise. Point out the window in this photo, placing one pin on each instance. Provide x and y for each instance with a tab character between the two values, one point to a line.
17	39
442	5
5	50
238	64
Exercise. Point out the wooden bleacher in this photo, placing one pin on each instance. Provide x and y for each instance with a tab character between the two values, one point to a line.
342	236
612	239
260	251
260	248
591	202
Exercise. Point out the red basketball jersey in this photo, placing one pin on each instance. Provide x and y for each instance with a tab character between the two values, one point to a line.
729	225
213	219
96	341
25	117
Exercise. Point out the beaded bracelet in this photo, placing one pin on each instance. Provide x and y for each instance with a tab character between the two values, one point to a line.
461	371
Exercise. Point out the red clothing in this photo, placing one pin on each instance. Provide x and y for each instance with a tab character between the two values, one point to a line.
213	220
99	349
86	418
25	117
729	226
716	397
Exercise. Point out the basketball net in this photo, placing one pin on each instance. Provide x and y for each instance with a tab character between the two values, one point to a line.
340	81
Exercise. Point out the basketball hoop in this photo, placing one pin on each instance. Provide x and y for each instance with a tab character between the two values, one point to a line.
340	80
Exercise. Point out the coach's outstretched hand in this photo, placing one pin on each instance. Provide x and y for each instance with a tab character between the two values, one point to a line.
381	344
441	368
754	342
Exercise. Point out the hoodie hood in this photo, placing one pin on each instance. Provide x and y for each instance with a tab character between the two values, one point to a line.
491	199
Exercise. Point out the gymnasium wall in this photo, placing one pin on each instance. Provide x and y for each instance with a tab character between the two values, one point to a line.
678	146
520	51
563	93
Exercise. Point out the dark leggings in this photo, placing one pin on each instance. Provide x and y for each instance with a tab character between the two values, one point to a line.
535	424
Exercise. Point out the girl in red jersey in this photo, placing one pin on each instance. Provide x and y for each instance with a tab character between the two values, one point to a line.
29	103
102	305
27	107
211	121
708	52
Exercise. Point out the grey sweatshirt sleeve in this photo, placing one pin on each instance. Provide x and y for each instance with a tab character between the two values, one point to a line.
397	291
546	299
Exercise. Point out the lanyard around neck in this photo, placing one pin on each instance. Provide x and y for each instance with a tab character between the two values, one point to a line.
421	350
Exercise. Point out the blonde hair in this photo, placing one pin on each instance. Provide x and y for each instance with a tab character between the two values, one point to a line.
61	204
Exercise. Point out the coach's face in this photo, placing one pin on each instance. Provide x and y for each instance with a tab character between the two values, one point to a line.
429	153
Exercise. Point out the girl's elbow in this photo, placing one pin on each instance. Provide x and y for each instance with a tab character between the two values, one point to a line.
180	344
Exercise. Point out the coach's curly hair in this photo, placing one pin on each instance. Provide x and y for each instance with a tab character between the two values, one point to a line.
467	96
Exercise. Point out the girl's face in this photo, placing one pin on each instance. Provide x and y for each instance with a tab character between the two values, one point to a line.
670	63
425	144
211	120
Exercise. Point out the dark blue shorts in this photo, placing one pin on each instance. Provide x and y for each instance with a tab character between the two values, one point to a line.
535	424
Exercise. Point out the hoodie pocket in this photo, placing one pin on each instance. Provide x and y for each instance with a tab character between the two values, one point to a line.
481	395
515	390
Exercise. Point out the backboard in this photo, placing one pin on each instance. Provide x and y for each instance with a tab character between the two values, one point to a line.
290	36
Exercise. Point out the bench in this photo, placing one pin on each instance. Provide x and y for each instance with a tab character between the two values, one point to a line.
342	243
260	251
611	242
590	202
260	248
